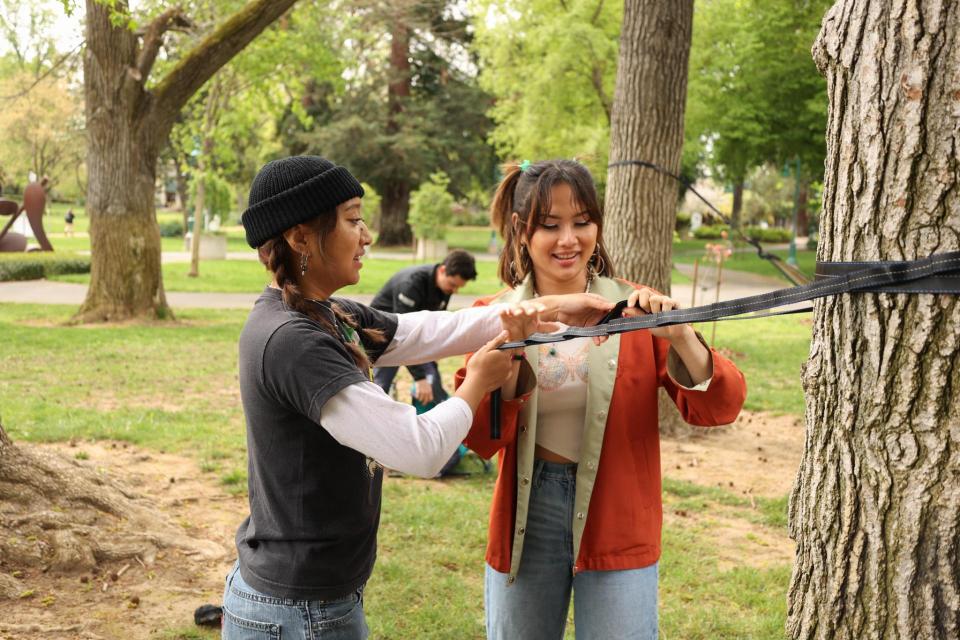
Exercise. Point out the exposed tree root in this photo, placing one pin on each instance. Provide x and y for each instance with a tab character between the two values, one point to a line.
59	515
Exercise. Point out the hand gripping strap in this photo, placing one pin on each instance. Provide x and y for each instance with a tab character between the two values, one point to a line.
937	274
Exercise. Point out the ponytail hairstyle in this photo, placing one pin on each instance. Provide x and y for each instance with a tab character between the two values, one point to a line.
281	260
526	191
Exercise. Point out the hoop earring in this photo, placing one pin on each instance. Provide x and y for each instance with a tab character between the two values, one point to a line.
524	260
303	264
597	258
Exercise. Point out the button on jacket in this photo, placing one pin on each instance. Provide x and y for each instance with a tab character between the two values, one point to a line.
618	506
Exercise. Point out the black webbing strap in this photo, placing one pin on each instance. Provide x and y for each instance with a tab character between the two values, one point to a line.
791	273
940	273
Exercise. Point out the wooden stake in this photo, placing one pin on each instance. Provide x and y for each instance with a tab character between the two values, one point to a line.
693	293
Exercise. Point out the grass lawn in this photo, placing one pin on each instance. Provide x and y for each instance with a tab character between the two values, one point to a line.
248	276
172	387
745	258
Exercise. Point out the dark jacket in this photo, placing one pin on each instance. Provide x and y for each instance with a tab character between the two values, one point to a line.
412	289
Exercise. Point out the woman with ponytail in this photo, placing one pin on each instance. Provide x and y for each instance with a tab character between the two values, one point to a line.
577	505
319	432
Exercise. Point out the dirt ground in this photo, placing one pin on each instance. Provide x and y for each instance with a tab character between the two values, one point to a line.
758	455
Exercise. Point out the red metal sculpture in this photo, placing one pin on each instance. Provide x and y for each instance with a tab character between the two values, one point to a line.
34	204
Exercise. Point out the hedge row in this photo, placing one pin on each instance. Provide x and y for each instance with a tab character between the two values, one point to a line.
36	264
771	234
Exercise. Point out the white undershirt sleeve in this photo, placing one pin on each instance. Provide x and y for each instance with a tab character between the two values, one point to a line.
361	416
425	336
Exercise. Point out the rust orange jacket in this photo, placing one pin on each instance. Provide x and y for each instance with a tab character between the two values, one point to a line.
618	509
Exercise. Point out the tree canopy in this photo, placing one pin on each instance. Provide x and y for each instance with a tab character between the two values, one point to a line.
754	94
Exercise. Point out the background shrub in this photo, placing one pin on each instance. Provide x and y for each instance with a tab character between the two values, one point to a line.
771	234
710	231
431	208
36	265
171	229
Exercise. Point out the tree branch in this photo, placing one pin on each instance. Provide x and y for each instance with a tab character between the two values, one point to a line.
596	12
596	78
44	75
172	18
205	59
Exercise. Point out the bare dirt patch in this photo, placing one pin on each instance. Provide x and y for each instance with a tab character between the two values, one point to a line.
133	599
759	454
160	594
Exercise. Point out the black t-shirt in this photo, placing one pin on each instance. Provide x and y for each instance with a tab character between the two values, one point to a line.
314	504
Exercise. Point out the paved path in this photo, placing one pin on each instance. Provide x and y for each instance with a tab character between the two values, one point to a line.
184	256
52	292
736	285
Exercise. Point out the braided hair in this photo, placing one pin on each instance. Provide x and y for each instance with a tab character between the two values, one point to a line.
280	259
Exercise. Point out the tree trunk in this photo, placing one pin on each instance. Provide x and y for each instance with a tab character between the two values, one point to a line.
737	204
126	125
211	115
647	124
395	203
125	278
875	510
394	208
803	219
199	202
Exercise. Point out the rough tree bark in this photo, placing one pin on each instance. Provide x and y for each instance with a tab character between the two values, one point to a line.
875	510
127	124
647	124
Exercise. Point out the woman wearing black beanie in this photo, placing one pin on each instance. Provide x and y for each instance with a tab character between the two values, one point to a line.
318	430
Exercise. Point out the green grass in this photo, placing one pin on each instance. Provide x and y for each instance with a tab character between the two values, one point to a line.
745	258
770	352
248	276
172	387
168	386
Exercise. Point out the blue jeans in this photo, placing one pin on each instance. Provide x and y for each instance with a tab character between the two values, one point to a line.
251	615
606	604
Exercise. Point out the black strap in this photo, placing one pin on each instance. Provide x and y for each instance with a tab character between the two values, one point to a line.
940	273
791	273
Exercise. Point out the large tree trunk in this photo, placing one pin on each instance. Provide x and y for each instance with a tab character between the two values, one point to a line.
875	510
125	275
395	202
126	125
647	124
394	209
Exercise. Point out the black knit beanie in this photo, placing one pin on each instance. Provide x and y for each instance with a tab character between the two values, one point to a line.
289	191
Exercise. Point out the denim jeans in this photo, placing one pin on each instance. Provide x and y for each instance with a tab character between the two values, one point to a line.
606	604
251	615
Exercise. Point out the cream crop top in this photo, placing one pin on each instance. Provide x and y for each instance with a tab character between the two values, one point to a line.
562	405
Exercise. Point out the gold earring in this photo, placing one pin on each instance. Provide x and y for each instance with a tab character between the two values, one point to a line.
600	265
303	264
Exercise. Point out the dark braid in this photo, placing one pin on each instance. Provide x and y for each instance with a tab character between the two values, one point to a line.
278	257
